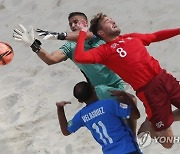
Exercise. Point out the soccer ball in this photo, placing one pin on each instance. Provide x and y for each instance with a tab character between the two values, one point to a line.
6	53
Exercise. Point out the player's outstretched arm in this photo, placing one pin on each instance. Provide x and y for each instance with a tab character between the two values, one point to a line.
165	34
62	117
51	58
80	55
70	36
128	99
27	37
73	36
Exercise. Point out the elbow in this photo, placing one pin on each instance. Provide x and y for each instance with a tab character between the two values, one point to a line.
65	133
77	59
135	115
138	115
51	62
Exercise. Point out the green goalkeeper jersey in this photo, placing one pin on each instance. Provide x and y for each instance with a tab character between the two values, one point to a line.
99	75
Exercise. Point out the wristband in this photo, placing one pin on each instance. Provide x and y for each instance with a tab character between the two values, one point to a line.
62	36
36	46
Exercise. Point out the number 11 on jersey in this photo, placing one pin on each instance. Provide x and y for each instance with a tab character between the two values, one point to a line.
103	135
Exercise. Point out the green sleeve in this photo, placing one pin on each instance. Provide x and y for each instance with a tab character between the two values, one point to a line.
67	50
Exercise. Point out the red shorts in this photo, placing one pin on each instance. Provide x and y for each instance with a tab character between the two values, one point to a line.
157	97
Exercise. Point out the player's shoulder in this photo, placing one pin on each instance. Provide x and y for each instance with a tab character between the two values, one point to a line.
97	39
68	48
108	105
108	101
94	42
70	44
133	34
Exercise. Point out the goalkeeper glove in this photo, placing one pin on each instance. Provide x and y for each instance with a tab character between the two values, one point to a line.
27	37
47	35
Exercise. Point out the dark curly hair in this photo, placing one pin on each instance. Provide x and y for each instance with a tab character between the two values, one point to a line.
83	91
95	23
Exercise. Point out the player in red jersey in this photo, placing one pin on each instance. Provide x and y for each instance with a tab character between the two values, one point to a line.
127	56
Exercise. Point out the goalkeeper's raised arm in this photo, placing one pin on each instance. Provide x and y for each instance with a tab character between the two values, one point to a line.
50	35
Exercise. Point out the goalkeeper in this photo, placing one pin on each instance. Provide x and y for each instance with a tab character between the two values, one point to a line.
98	75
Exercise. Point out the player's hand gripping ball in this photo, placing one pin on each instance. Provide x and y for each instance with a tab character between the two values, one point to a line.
6	53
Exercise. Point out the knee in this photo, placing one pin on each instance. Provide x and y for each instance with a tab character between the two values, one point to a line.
167	145
166	138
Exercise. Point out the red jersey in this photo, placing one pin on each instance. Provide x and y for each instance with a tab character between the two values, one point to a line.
127	56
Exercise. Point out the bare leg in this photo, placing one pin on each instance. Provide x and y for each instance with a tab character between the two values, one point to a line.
147	126
176	114
167	133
